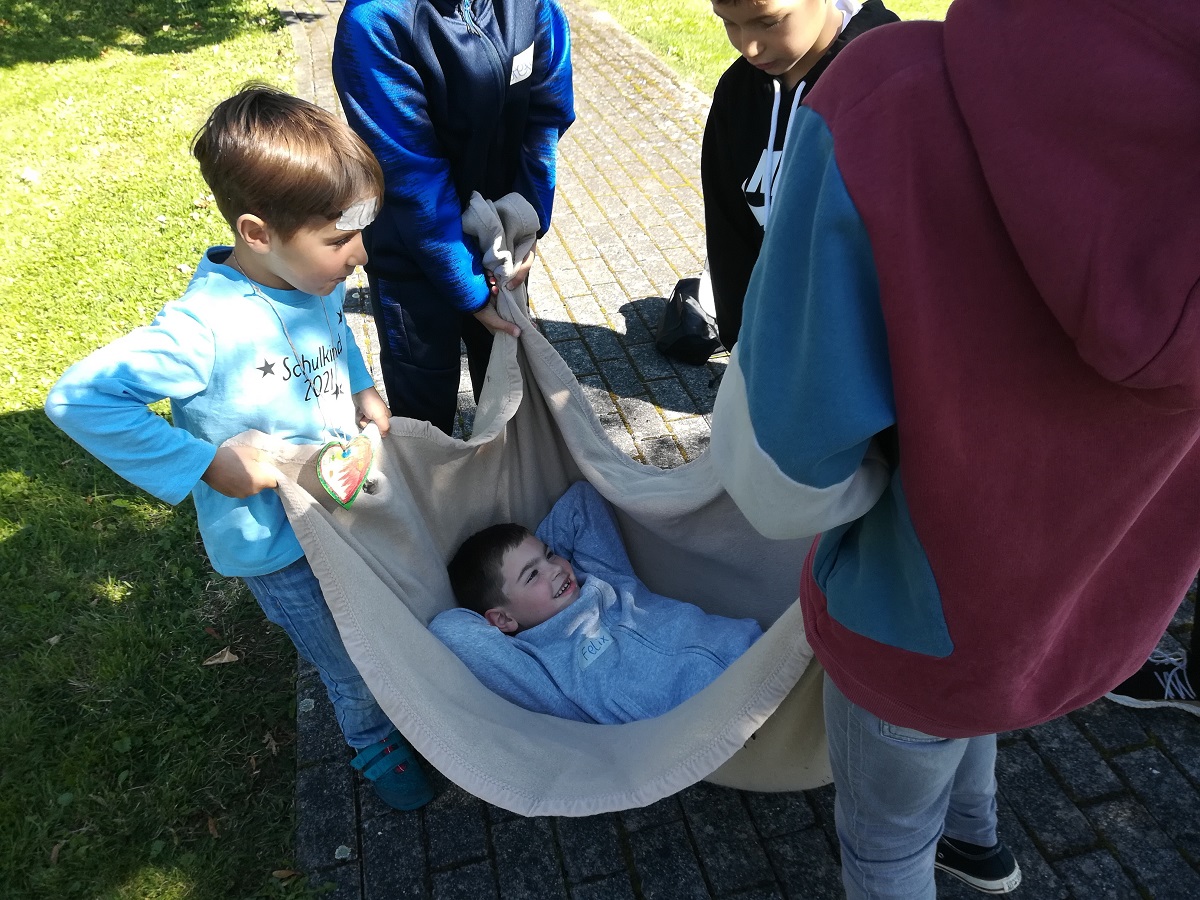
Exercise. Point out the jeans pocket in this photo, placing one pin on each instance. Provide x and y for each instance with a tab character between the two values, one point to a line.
907	735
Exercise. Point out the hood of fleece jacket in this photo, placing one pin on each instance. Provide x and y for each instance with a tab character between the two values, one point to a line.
1086	121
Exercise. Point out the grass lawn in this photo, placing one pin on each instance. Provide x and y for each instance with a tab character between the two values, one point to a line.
129	768
691	39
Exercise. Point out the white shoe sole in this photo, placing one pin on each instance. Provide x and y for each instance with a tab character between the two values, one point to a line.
1010	883
1189	706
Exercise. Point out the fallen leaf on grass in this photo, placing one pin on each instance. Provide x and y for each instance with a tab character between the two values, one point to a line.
225	656
273	747
283	874
212	827
213	632
184	268
54	640
54	851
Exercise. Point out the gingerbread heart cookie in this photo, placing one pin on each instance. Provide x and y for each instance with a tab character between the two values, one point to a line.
343	466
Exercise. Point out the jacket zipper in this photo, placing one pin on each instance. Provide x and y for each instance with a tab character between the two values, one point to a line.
473	28
469	19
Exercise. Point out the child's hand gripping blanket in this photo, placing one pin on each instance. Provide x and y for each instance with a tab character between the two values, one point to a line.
618	652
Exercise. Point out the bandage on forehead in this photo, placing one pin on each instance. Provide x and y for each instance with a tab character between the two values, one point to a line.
357	216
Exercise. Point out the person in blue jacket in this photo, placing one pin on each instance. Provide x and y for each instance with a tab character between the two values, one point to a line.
578	635
452	96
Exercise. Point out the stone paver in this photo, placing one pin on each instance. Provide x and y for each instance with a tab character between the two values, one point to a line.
1101	803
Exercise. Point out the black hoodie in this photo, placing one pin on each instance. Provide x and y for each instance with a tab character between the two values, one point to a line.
735	142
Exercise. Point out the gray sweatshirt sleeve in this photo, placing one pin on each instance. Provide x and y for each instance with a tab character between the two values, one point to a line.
582	527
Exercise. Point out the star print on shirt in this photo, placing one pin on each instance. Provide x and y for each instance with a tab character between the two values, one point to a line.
341	318
267	368
337	391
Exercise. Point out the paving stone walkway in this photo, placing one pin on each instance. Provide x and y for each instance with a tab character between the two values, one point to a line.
1101	803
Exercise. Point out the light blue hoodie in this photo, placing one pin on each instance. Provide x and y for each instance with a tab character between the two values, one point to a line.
619	653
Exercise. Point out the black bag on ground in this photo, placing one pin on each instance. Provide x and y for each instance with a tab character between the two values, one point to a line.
684	331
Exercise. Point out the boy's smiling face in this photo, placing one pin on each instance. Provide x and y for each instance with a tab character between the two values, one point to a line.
780	37
537	583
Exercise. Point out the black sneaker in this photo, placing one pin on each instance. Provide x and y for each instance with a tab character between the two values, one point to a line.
992	870
1162	681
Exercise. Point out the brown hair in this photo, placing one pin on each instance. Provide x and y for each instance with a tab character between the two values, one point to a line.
475	568
266	153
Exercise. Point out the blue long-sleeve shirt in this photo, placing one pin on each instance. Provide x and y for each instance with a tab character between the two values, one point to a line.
230	358
619	653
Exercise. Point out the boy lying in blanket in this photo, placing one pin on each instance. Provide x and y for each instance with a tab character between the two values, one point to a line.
578	635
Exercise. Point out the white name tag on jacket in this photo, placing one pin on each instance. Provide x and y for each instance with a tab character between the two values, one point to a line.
522	66
593	646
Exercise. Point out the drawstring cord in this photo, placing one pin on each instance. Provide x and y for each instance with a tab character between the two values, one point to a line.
769	175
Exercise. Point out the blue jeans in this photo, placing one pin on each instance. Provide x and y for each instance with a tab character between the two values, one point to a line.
898	790
292	599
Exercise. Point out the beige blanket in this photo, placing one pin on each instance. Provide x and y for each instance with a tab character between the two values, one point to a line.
381	564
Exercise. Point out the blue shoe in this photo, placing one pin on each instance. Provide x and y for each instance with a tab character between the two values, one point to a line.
392	767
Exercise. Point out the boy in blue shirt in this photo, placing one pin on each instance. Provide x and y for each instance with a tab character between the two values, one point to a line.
453	97
578	635
258	341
